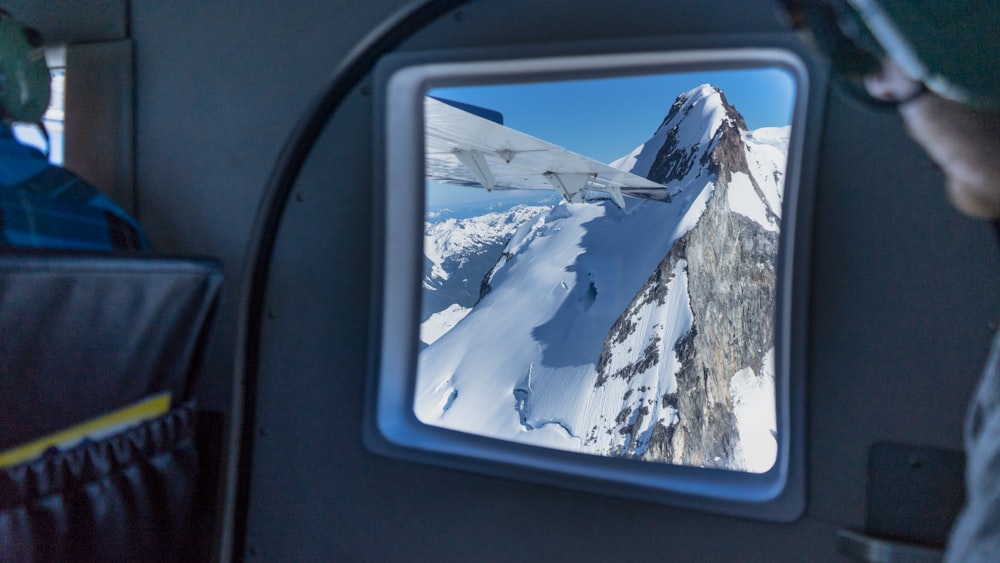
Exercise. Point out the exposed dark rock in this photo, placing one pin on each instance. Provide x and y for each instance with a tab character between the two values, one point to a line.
731	284
727	154
672	162
484	286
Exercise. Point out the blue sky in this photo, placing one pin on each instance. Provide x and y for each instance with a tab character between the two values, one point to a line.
606	119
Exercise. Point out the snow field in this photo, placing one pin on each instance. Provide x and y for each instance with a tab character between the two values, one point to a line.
743	199
441	322
495	349
767	150
754	402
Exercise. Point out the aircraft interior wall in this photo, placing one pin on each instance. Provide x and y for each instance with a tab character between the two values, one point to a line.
62	21
903	292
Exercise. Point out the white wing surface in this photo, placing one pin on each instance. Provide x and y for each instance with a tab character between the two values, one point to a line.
469	150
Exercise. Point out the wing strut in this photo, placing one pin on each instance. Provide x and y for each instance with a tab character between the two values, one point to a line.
571	186
616	196
476	163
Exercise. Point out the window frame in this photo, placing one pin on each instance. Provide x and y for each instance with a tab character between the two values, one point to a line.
391	427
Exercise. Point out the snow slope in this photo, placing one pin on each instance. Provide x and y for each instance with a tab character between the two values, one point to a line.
543	324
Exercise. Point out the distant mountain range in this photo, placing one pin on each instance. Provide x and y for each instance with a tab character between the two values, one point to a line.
644	333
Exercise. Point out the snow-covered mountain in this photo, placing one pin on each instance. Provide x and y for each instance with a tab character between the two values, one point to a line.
640	333
458	253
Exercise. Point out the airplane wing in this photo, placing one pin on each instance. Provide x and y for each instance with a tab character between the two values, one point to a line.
467	149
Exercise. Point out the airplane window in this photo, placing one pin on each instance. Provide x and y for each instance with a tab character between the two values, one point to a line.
592	268
599	264
55	117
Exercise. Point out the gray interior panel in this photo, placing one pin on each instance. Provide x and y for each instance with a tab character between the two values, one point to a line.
902	301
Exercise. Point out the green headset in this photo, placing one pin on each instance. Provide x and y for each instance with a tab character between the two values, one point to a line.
24	76
952	47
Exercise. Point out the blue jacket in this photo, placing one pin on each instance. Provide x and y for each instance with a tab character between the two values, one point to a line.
45	206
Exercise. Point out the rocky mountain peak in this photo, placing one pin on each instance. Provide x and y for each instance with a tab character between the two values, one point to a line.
702	99
701	131
722	272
